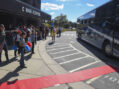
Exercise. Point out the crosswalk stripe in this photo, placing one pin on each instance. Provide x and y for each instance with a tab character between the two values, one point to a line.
58	49
62	51
74	70
66	55
73	60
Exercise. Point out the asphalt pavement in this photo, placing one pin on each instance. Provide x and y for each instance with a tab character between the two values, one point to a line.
76	55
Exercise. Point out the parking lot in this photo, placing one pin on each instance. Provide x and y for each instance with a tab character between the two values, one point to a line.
74	55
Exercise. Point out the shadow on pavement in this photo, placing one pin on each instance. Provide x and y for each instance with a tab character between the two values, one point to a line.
50	43
8	62
14	73
28	57
10	75
112	61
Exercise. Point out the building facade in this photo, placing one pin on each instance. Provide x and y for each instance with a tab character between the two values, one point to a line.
17	12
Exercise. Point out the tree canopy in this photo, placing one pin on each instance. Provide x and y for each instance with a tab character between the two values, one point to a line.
62	21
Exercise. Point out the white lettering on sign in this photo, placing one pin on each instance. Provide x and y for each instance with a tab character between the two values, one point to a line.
36	13
30	11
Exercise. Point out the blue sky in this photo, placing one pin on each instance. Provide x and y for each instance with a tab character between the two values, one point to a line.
72	8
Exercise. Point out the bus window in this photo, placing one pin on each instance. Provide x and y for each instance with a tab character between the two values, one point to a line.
117	35
107	31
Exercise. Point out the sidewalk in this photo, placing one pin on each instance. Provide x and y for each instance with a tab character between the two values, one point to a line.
38	65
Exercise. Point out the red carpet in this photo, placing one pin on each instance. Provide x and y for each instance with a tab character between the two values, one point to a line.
49	81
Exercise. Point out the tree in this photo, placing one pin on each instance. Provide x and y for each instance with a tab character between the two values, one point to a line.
61	21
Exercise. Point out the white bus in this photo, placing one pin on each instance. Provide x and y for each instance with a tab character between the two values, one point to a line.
100	27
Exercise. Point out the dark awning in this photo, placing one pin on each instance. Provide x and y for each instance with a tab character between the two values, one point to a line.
45	16
20	8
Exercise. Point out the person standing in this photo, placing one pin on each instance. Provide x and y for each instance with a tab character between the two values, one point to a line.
22	46
36	37
41	28
29	30
57	30
33	40
47	31
17	40
53	32
60	31
3	44
43	32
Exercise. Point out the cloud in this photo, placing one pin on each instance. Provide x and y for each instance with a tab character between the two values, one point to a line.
90	5
52	6
64	0
52	13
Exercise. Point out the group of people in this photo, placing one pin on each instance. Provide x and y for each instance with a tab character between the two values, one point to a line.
23	34
50	31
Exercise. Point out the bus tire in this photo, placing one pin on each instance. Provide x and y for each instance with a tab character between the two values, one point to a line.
107	48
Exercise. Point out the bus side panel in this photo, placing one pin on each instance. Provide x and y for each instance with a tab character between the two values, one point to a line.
116	45
97	38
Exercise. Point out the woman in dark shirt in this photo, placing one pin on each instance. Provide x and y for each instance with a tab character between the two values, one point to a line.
3	44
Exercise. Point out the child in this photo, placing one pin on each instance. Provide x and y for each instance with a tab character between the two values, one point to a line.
17	39
22	47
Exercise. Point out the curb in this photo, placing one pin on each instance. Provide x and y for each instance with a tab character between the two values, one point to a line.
56	68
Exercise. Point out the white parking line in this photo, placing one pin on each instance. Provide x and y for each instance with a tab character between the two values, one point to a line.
58	49
60	43
73	60
62	51
84	66
66	55
58	46
82	52
93	79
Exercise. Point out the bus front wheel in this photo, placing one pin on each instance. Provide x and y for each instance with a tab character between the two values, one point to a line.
107	49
